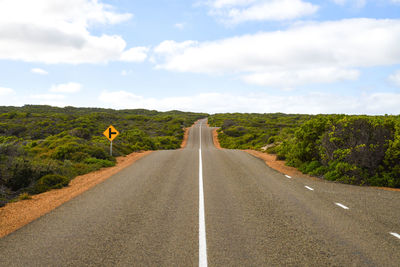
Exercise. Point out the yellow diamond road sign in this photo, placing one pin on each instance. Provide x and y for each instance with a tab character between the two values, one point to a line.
111	133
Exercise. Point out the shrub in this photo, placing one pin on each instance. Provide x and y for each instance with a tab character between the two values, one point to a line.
81	168
228	123
319	171
51	181
79	156
81	133
235	131
345	173
64	151
310	166
272	149
271	139
20	174
96	152
332	175
99	162
358	140
167	142
304	147
36	141
24	196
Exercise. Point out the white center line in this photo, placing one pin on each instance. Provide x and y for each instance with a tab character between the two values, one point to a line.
395	235
202	223
309	188
342	206
288	176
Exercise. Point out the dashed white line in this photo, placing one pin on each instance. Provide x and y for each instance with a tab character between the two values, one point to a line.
287	176
202	223
309	188
395	235
341	205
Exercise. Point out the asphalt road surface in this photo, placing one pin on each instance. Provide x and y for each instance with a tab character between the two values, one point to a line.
217	207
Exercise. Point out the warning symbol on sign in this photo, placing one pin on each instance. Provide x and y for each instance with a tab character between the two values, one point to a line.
111	133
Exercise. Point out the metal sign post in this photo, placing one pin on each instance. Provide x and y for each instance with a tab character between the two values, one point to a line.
111	133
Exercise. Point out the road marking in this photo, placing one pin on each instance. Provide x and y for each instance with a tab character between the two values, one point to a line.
288	176
309	188
342	206
202	223
395	235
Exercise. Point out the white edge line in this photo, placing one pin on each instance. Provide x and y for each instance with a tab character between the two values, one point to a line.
202	223
395	234
288	176
341	205
309	188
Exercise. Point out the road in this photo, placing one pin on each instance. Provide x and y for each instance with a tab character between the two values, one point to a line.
215	207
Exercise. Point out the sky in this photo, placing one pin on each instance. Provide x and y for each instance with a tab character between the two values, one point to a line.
263	56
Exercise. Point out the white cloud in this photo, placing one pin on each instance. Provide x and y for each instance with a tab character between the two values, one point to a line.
238	11
395	78
172	48
53	32
179	26
70	87
6	91
301	77
56	100
39	71
355	3
230	3
311	103
136	54
331	50
70	13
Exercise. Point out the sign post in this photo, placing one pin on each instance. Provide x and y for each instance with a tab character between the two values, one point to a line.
111	133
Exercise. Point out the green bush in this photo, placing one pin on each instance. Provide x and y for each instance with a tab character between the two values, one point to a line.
24	196
235	131
79	156
20	174
51	181
65	151
167	142
309	167
96	152
319	171
332	175
362	141
272	149
271	139
362	150
36	141
99	162
304	147
82	168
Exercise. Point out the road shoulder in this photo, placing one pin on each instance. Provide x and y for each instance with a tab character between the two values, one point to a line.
278	165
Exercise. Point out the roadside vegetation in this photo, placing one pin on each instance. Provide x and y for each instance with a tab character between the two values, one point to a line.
44	147
359	150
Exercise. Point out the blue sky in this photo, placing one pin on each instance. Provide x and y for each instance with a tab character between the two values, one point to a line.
293	56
